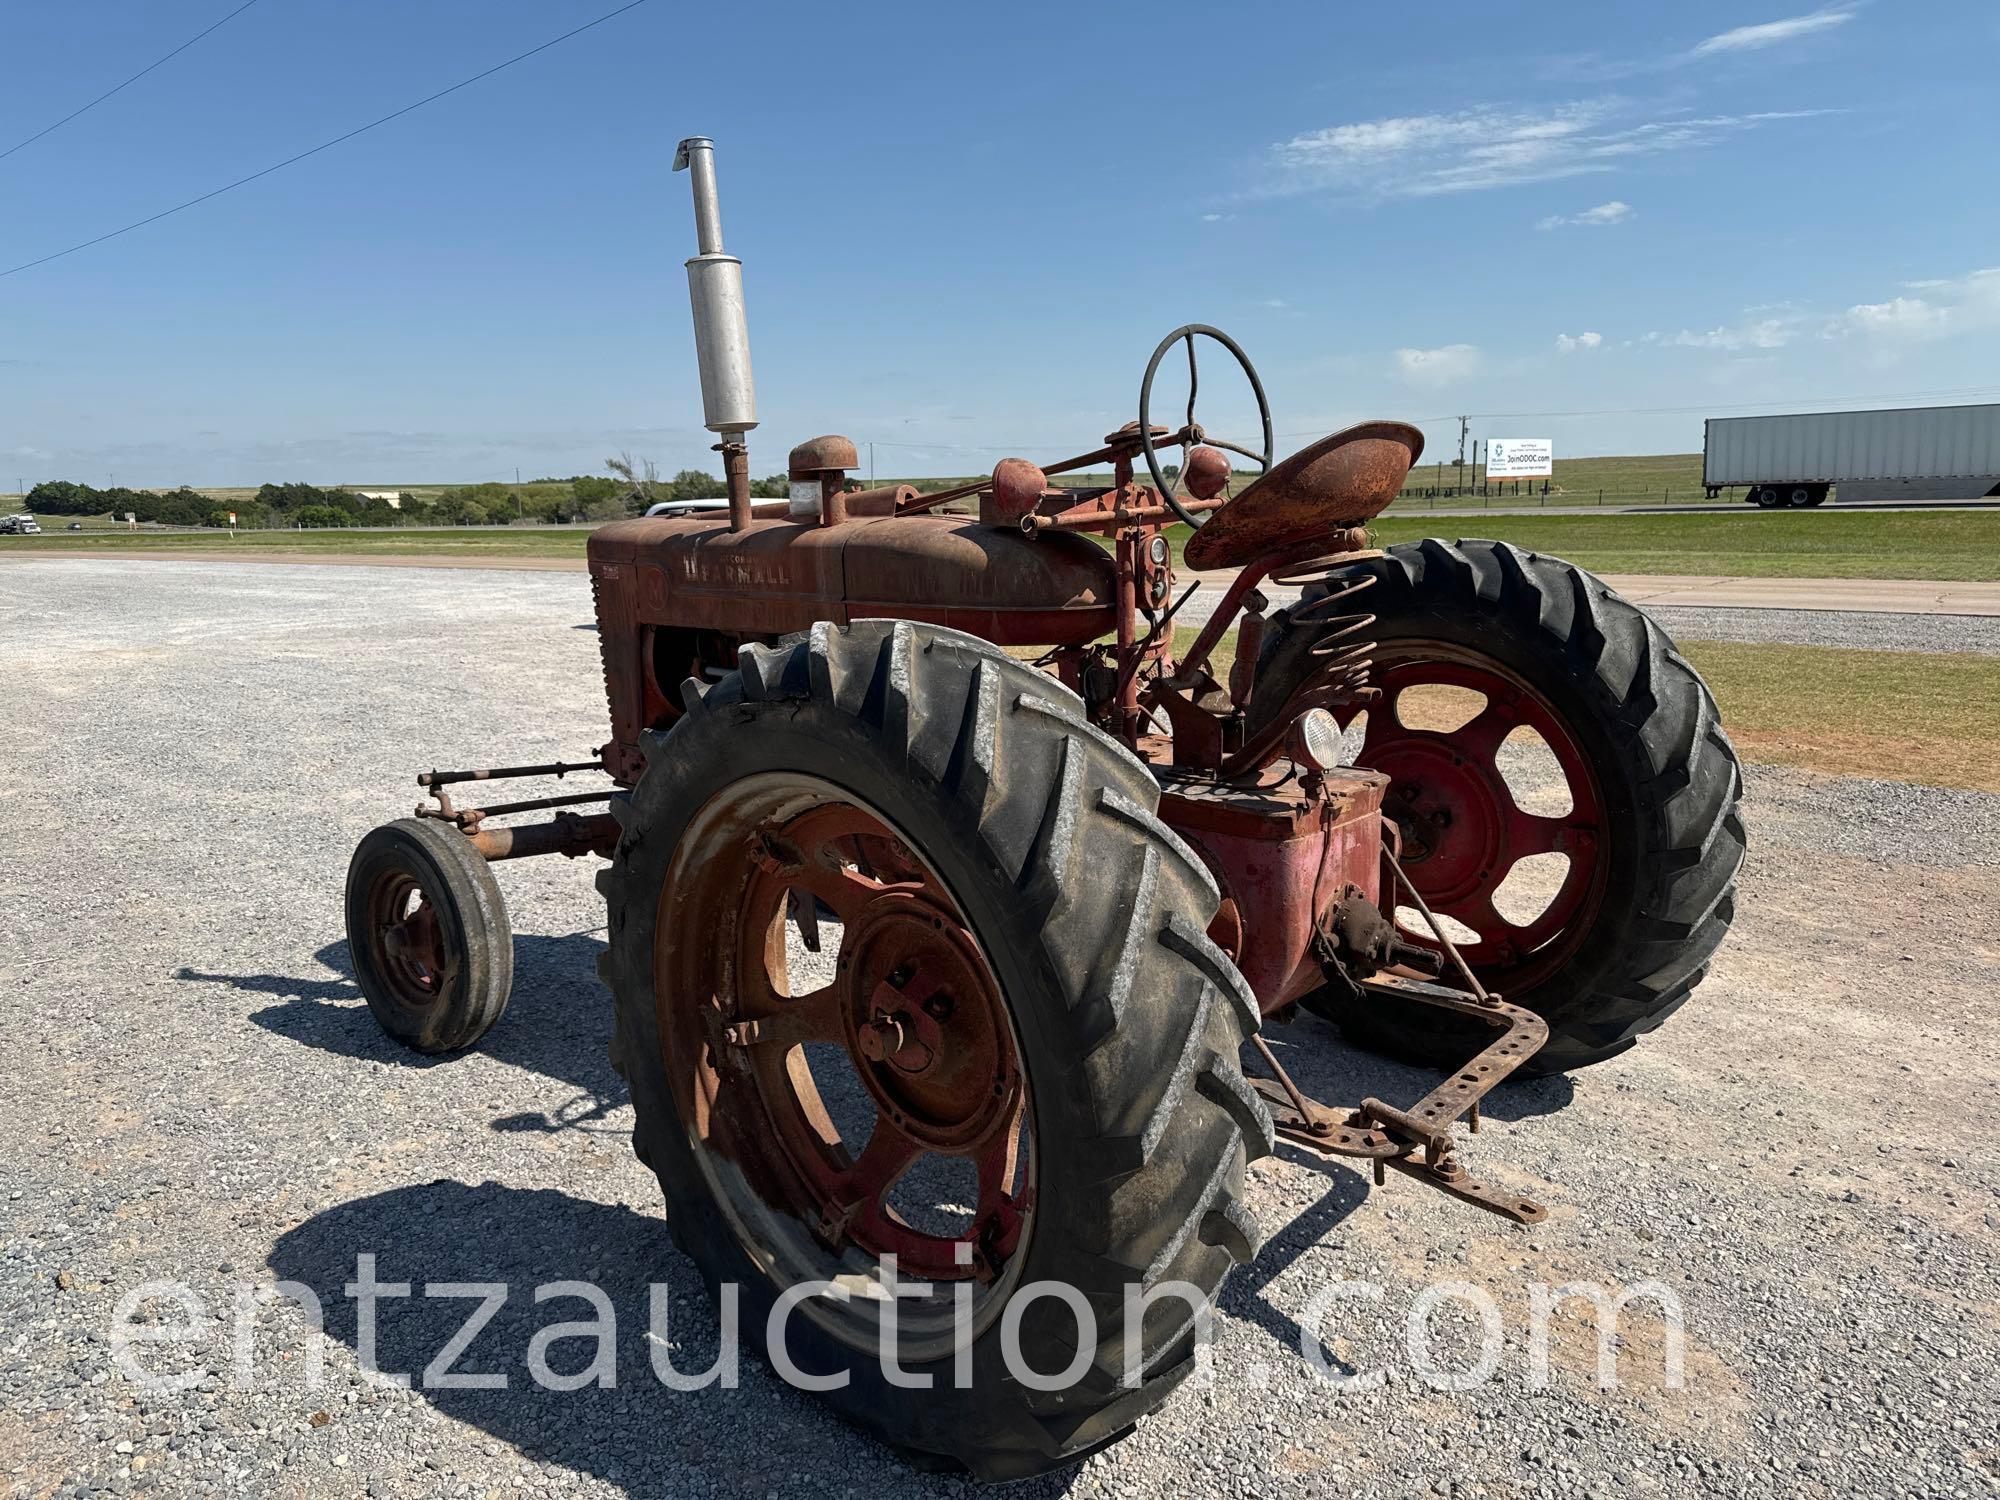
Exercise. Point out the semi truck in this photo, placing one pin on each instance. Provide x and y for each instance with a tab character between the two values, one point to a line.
22	525
1796	459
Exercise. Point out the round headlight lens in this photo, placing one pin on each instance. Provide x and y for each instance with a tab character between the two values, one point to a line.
1315	740
1158	550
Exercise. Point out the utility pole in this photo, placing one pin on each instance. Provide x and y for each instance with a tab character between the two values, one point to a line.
1463	424
871	466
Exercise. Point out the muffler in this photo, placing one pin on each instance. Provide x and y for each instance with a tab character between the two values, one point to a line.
721	330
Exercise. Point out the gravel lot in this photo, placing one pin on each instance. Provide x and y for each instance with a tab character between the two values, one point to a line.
1805	1156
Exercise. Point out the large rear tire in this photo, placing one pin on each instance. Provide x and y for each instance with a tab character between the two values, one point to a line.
1654	838
977	787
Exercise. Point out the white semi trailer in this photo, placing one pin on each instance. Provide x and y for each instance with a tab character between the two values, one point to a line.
1795	460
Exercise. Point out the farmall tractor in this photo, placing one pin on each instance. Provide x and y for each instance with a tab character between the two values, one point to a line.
948	894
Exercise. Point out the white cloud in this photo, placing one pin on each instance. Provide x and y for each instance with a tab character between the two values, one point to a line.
1758	333
1490	147
1437	367
1567	343
1950	305
1899	317
1216	218
1613	212
1771	33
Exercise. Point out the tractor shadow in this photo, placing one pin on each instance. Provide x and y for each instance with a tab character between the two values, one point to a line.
557	1023
761	1437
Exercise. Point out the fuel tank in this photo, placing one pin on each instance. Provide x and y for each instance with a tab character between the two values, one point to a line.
781	575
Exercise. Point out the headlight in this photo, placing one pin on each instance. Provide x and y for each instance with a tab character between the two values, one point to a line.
1314	741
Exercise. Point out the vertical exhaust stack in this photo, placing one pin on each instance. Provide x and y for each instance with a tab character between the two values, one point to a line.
721	331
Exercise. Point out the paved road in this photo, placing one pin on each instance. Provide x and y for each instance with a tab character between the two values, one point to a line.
1883	615
1874	596
1804	1157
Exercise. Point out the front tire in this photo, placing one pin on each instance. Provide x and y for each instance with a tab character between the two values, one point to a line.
428	935
971	784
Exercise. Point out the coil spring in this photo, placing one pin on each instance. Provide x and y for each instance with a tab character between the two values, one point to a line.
1343	662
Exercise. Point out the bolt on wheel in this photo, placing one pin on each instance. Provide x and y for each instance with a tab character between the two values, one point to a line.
905	965
1471	806
1572	817
883	1066
428	935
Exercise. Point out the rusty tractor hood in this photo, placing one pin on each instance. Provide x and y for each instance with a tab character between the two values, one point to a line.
780	575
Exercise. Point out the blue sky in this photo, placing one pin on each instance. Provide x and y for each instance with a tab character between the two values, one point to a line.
964	229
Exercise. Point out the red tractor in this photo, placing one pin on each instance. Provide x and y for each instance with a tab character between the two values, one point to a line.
948	891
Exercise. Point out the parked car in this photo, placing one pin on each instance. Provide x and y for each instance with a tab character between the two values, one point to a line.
688	507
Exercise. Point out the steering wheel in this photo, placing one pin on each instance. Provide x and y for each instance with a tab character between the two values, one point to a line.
1194	433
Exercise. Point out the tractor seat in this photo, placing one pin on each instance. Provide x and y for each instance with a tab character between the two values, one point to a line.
1338	481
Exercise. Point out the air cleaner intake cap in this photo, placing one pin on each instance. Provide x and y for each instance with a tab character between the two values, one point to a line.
822	455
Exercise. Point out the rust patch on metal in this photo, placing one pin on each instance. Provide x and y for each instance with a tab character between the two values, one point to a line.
1338	481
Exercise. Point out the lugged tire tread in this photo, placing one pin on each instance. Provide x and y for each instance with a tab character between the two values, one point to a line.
1064	816
1663	716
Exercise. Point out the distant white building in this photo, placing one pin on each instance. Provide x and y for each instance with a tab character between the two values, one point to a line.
392	498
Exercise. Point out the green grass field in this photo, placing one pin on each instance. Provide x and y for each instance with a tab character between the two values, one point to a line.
1643	479
1893	715
1946	545
1943	545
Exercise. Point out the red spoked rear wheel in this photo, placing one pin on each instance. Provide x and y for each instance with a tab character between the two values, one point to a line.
912	1006
905	966
1572	817
1472	799
856	1063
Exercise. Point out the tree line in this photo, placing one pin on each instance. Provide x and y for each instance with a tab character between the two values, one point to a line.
581	497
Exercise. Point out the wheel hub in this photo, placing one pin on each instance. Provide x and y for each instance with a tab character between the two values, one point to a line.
1451	815
406	929
926	1028
1463	830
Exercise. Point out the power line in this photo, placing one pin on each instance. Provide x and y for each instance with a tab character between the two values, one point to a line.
324	145
128	82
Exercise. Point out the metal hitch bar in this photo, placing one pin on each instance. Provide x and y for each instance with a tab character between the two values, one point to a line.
566	834
1417	1141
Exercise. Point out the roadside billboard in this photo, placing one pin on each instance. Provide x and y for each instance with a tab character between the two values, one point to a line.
1520	458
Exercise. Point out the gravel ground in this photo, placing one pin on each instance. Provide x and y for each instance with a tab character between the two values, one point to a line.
1804	1157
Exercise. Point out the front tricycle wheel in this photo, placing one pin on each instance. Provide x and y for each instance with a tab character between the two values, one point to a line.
428	935
917	1007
